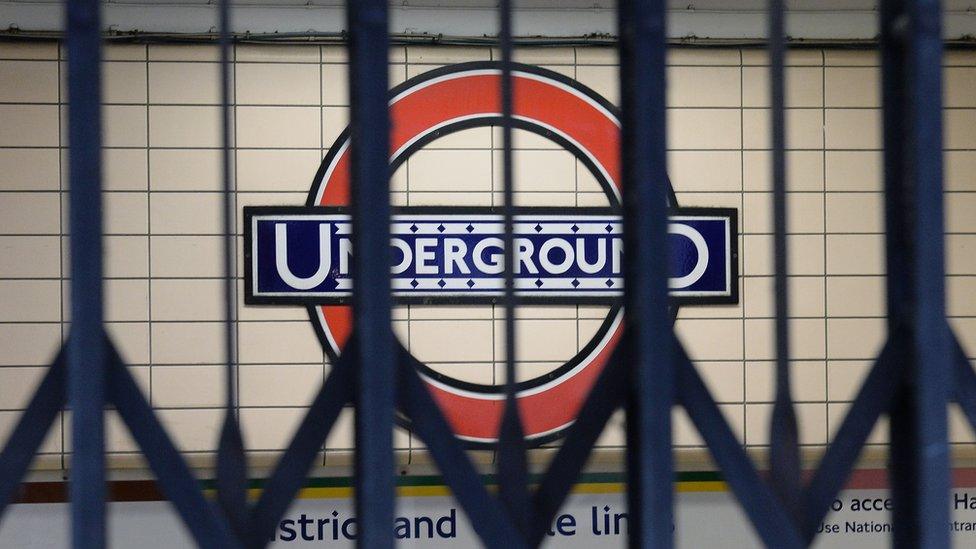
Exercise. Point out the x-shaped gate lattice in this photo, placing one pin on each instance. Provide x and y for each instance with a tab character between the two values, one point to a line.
648	373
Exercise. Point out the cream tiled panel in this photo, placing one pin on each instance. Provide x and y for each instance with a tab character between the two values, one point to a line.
30	301
436	55
696	56
278	342
855	338
604	80
806	383
334	120
703	87
854	58
29	81
17	385
184	52
806	296
837	412
28	169
806	256
337	54
965	330
480	372
189	256
793	58
804	129
28	50
168	83
704	128
131	339
123	125
849	254
29	126
269	428
960	129
855	296
806	339
958	87
30	256
188	386
126	256
724	379
125	300
280	384
711	339
125	213
811	421
804	170
277	84
960	212
29	213
534	171
705	170
853	128
804	87
335	83
187	299
539	340
853	86
187	342
123	52
29	344
686	435
844	378
805	213
854	170
124	169
455	170
192	430
276	170
184	127
471	340
277	53
186	213
961	295
184	170
960	254
125	82
855	212
278	127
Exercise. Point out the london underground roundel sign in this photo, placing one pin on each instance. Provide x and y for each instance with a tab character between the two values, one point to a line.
453	255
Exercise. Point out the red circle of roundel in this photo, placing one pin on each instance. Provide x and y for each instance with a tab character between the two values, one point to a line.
468	95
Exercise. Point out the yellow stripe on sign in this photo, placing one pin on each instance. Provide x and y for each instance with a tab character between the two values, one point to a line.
442	491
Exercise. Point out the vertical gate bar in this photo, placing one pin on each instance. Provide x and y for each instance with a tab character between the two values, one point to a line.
912	57
86	357
898	257
784	450
932	362
649	462
375	375
231	464
512	467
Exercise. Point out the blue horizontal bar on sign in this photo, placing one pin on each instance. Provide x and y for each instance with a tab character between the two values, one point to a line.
448	255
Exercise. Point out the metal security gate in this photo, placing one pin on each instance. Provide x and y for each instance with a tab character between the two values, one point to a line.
919	371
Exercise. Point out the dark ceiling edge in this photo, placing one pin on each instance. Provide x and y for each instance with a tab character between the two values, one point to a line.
15	35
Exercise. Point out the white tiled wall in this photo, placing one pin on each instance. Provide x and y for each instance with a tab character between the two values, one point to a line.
163	249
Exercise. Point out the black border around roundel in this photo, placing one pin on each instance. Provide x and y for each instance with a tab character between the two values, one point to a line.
566	145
